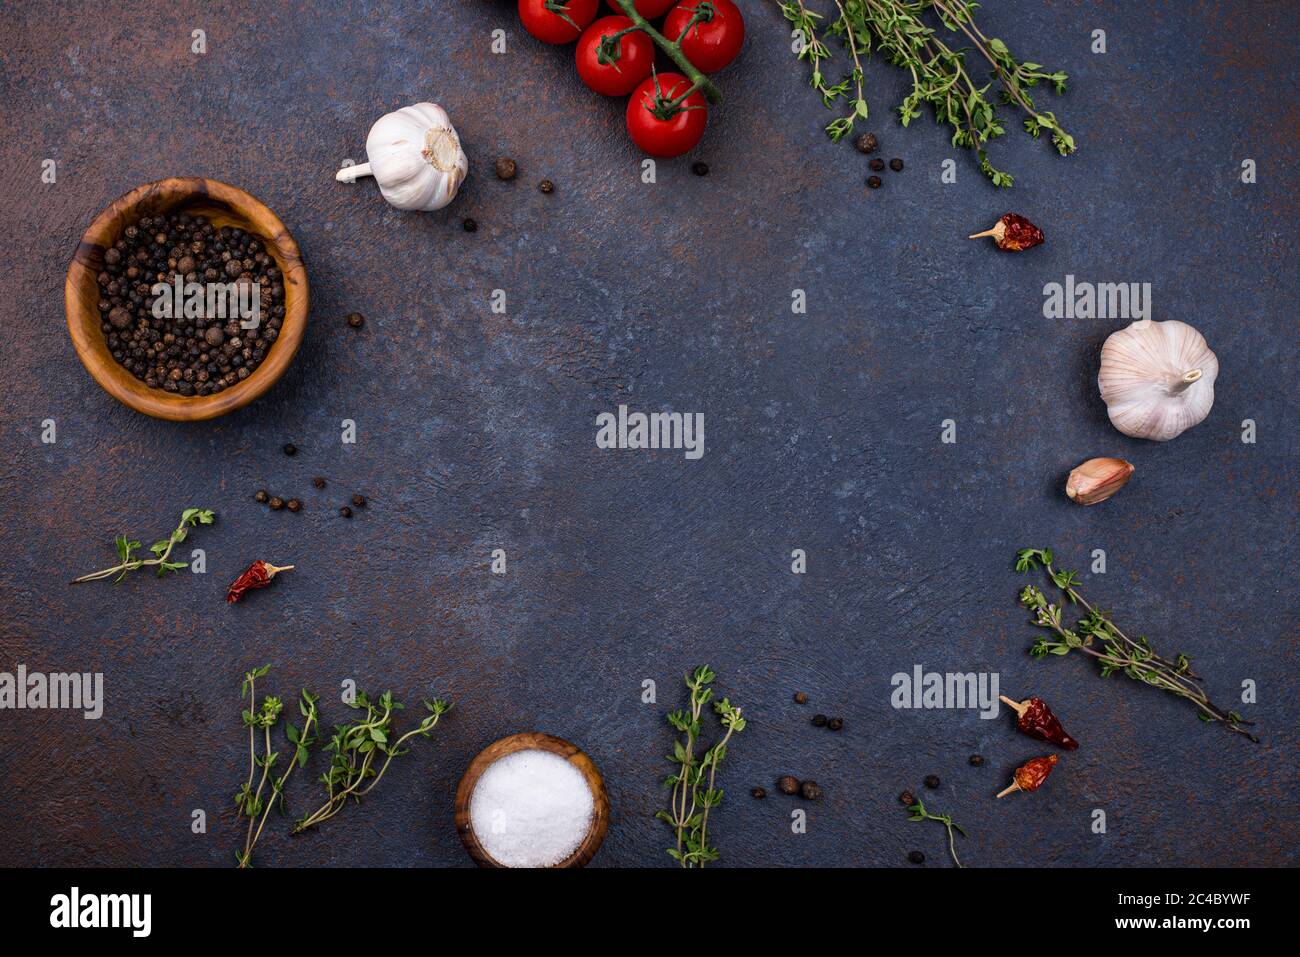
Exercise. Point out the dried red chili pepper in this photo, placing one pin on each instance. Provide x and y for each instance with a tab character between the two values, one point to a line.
1037	721
1013	233
258	575
1030	775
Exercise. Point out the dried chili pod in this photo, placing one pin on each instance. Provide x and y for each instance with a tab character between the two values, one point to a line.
1037	721
1031	775
1013	233
258	575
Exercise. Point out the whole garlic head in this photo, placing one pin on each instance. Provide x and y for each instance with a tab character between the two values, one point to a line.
1157	379
415	157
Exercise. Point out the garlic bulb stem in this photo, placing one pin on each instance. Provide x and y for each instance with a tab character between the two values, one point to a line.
350	174
1184	381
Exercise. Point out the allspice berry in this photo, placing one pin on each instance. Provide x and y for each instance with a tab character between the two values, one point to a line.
345	512
546	186
907	798
866	143
293	505
788	784
276	503
759	793
356	320
932	781
810	790
916	857
835	724
261	496
506	168
976	760
819	720
359	501
800	698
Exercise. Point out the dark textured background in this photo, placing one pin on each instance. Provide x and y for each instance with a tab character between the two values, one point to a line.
822	433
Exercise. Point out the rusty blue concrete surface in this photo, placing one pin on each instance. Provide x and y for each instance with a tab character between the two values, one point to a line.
476	432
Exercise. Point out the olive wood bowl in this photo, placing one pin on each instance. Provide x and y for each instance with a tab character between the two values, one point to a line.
538	742
224	205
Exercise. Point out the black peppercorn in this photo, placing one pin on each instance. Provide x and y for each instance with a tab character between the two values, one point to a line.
916	857
976	760
469	225
866	143
788	784
359	501
293	505
877	165
800	698
819	721
546	186
276	503
345	512
759	793
810	790
896	165
873	182
290	449
261	496
506	168
907	798
700	169
356	320
835	724
318	481
932	781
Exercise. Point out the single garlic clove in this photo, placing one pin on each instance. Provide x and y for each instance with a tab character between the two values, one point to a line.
1097	480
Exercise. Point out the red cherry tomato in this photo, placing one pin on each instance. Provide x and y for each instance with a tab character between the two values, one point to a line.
628	63
709	44
671	136
557	21
650	9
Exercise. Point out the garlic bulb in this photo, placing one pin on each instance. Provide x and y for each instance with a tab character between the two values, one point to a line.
1097	480
1157	379
415	157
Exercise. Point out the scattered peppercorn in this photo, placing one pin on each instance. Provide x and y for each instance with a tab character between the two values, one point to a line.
470	225
261	496
819	721
345	512
359	501
506	168
866	143
318	481
700	169
907	797
810	790
976	761
916	857
293	505
546	186
896	165
800	698
759	793
932	781
290	449
788	784
873	182
877	165
276	503
356	320
835	724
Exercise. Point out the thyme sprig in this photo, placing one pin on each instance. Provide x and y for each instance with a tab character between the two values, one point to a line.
355	749
1097	636
919	813
249	801
940	75
162	549
691	798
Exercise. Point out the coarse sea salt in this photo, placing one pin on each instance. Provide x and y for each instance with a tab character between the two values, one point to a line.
531	809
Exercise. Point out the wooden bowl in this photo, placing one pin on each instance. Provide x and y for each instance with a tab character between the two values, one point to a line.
538	742
224	205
